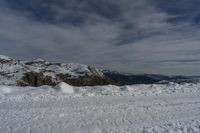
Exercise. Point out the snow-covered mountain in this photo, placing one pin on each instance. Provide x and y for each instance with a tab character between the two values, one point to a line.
40	72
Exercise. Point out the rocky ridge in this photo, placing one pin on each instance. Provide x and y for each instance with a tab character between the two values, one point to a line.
40	72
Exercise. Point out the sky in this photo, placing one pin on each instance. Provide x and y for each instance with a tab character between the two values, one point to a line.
132	36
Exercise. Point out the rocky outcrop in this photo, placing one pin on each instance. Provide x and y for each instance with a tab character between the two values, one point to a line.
4	61
39	79
40	72
36	79
91	80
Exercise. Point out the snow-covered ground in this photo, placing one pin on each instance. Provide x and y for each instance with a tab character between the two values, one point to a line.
170	108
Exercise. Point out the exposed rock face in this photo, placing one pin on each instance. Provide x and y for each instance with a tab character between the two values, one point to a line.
4	61
91	80
36	79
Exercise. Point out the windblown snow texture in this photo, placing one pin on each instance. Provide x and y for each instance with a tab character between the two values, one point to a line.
171	108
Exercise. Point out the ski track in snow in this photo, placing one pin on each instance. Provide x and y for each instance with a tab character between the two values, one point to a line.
45	111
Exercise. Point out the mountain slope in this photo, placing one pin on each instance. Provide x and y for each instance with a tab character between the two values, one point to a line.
40	72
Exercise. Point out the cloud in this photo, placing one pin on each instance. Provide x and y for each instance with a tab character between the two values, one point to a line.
141	36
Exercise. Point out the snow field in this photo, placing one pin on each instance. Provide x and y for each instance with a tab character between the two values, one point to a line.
168	108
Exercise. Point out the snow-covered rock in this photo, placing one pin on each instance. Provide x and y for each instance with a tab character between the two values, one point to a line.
65	88
40	72
3	57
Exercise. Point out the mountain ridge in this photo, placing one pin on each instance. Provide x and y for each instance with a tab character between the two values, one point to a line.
40	72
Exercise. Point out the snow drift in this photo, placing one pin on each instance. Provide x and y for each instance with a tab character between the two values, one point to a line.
109	90
65	88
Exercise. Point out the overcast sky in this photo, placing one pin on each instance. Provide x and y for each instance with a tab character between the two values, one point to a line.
135	36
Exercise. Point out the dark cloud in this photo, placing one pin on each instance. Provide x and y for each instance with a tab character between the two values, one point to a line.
73	12
183	10
141	36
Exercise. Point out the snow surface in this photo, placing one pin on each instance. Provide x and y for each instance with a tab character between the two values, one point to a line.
171	108
65	88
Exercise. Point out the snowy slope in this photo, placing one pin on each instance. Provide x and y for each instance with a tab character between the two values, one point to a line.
168	108
3	57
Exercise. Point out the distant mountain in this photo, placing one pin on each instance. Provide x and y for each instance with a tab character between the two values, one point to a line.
129	79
